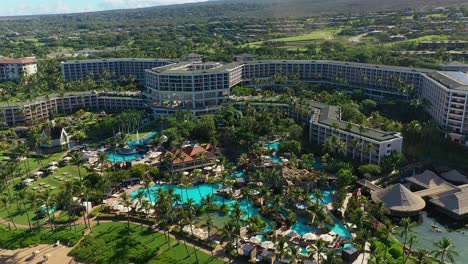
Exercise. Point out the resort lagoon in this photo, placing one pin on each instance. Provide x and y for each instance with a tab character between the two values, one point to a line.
197	193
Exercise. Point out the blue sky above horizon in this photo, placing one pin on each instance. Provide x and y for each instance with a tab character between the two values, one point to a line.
37	7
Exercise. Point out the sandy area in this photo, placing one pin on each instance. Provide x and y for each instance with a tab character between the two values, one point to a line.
57	255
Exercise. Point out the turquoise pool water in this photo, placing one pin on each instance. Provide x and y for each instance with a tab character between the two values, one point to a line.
340	229
117	157
326	199
274	145
142	141
302	228
239	174
199	192
318	165
275	159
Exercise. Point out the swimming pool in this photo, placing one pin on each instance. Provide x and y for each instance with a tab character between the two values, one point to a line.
273	145
275	159
239	174
326	199
340	229
301	227
142	141
117	157
318	165
199	192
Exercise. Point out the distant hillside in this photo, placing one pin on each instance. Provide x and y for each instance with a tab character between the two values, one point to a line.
313	7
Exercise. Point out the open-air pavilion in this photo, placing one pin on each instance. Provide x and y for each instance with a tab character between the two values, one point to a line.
399	200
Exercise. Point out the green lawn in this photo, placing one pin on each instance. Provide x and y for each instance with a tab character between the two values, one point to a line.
35	163
110	243
21	216
303	39
21	238
423	38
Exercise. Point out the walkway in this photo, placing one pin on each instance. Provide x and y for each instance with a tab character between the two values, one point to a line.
369	185
217	252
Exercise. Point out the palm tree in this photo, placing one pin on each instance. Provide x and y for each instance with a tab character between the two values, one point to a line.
320	247
422	256
379	211
48	198
445	249
355	144
102	159
369	148
407	224
77	159
364	237
126	201
281	247
33	200
22	195
209	224
5	202
387	229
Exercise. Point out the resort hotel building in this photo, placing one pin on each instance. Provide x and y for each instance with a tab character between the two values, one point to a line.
195	86
14	69
203	87
44	108
116	68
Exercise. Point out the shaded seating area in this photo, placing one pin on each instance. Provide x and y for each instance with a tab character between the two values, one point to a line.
454	176
429	184
399	200
454	203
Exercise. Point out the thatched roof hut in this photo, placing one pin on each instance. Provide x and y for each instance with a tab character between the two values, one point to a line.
399	200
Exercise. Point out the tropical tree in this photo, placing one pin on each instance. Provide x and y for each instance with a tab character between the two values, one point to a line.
407	226
77	159
22	195
126	201
49	199
445	250
209	224
5	202
422	256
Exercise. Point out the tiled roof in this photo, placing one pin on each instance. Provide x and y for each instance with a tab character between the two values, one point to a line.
18	61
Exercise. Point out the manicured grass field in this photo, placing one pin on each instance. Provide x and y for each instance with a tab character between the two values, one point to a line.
35	163
307	38
21	238
19	215
111	243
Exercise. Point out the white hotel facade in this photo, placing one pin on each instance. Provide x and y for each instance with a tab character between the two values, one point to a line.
204	87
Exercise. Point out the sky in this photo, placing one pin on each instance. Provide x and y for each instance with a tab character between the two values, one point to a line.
37	7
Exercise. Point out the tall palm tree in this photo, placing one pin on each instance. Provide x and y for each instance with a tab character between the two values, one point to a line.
364	237
387	229
320	247
379	211
102	159
77	159
369	148
22	195
281	247
209	224
48	198
422	256
126	201
445	249
5	202
407	224
33	198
